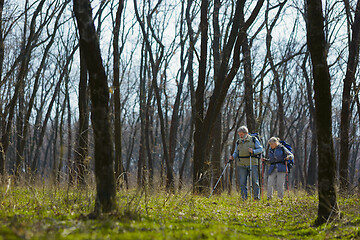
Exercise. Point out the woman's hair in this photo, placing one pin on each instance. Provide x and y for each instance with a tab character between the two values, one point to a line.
243	129
274	140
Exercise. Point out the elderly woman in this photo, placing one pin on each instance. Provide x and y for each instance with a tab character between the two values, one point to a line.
278	157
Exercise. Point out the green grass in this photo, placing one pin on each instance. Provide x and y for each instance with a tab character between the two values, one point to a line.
49	213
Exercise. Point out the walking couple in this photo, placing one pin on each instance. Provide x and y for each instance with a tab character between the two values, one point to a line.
246	155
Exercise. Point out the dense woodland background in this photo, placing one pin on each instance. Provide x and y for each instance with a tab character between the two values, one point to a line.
182	76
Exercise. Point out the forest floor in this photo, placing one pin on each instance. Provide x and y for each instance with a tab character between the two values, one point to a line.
50	213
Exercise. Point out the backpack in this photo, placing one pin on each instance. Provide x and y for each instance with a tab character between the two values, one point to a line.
288	147
256	135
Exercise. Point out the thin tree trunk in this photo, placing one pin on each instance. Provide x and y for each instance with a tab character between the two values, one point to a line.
83	134
352	63
312	168
2	47
217	130
175	114
248	83
327	165
142	95
201	163
119	169
148	168
58	155
70	163
191	89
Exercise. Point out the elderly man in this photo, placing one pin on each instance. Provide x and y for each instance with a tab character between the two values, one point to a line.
246	147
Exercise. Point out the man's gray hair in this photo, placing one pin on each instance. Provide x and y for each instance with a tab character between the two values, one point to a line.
243	129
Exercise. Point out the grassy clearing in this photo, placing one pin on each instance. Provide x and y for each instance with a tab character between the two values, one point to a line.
48	213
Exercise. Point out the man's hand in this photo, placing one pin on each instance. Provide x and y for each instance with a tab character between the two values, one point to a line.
263	159
251	150
231	158
287	158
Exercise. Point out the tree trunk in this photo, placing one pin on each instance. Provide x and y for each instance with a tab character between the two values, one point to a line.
2	49
352	63
83	133
217	130
69	162
327	165
99	92
191	89
119	169
142	95
201	163
248	84
175	114
148	168
312	168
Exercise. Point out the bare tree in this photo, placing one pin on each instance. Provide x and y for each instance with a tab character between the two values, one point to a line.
204	122
99	92
327	165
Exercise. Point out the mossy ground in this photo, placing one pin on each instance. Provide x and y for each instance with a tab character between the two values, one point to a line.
49	213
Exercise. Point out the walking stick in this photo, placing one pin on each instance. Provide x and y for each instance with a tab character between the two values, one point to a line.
287	178
250	179
259	175
220	177
262	178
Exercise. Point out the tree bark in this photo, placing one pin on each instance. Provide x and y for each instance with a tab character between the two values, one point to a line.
327	165
99	92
